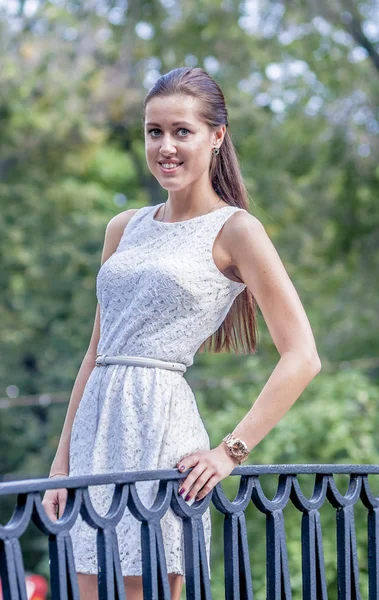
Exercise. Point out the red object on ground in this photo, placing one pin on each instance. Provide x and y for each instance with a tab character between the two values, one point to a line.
36	587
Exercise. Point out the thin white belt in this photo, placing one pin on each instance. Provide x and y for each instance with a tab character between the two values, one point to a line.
138	361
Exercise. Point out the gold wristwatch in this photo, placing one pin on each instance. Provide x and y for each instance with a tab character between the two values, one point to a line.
237	448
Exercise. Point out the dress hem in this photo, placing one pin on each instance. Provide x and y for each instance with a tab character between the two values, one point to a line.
82	572
137	574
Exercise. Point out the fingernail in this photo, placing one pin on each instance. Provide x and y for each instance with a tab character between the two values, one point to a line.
181	490
181	467
188	497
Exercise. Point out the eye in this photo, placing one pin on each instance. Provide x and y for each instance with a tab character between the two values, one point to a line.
181	129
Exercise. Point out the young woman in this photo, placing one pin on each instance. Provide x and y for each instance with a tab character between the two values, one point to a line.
174	279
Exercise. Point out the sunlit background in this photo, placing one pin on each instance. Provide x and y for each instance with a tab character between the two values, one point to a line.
301	82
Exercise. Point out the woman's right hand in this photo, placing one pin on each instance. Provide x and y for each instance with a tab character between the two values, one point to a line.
54	501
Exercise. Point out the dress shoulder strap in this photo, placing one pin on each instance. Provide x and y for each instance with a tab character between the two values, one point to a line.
209	231
132	226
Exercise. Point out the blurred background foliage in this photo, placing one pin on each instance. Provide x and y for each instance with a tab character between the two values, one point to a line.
301	82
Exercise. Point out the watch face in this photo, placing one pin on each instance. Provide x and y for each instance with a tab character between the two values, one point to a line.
239	448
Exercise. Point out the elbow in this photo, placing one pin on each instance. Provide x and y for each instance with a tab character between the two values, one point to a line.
308	361
315	364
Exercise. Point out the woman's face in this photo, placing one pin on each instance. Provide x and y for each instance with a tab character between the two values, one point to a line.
173	132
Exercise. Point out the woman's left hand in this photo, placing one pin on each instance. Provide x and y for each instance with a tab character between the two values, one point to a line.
210	467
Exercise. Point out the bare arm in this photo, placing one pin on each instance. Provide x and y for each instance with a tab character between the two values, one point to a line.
113	235
263	272
60	463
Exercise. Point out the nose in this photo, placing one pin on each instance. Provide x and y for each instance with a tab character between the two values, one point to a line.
167	147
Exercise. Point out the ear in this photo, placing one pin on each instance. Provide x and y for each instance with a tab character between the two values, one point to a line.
219	135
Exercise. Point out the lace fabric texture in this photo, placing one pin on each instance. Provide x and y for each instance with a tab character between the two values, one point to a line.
161	295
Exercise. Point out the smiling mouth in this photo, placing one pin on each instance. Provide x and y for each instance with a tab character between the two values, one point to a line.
171	169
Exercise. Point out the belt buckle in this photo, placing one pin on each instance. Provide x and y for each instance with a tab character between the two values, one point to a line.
100	364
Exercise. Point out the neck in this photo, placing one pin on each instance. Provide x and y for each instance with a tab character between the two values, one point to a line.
175	210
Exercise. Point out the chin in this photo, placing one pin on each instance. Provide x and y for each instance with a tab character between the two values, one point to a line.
172	187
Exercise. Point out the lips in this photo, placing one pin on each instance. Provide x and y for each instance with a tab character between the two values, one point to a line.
174	170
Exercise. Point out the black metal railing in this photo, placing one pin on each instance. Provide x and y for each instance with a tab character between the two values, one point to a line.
238	579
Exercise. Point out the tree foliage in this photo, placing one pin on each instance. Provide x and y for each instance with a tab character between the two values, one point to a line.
301	84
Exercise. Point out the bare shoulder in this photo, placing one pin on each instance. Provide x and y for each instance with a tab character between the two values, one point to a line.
118	223
242	221
241	228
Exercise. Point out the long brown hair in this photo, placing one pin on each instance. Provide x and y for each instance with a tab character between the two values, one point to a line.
239	328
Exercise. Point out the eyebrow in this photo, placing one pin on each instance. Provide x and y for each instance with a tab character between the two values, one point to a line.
173	124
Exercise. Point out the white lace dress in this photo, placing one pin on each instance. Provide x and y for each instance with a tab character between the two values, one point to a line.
161	295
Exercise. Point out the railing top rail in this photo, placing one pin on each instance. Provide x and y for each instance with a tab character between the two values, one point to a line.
29	485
